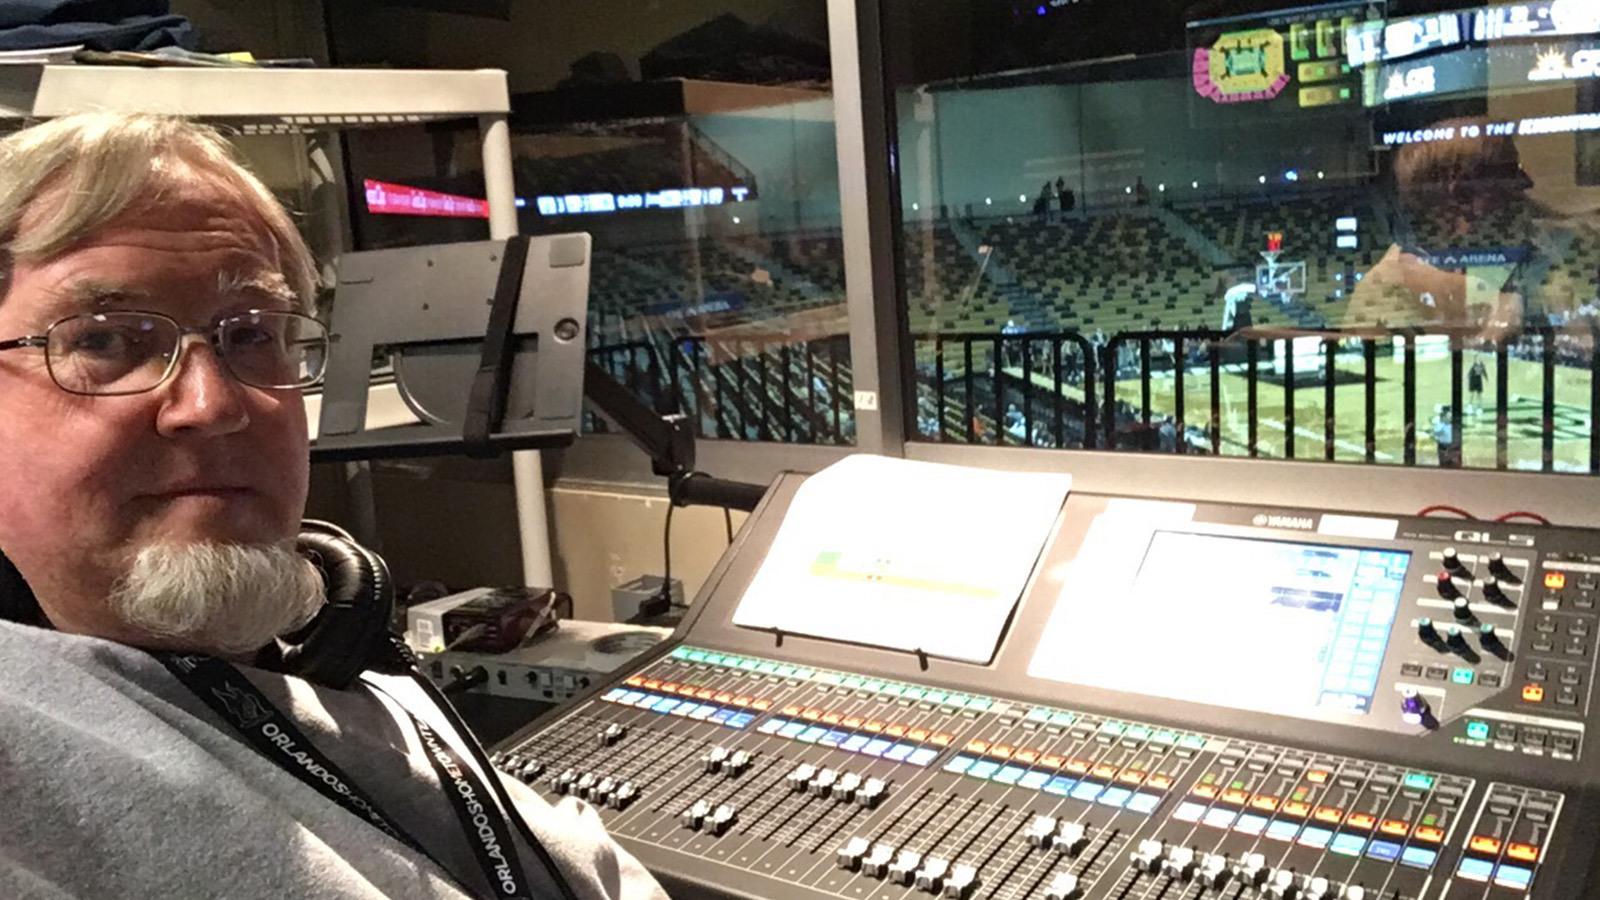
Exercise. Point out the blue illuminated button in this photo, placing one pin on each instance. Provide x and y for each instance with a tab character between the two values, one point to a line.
615	694
771	726
1219	818
792	730
1314	837
666	706
1060	785
1478	731
1114	796
1474	869
834	738
877	747
855	743
740	720
1143	804
1034	780
1062	718
631	697
1282	831
922	756
1419	857
1514	877
984	769
899	752
681	652
1348	844
1462	675
721	716
702	712
1009	774
1251	824
1419	781
959	764
1189	812
1388	851
812	735
1087	790
1038	714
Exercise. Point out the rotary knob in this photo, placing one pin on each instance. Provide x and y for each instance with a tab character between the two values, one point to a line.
1452	559
1426	630
1494	593
1413	707
1461	609
1498	567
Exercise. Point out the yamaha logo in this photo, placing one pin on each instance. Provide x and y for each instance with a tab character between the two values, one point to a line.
1301	523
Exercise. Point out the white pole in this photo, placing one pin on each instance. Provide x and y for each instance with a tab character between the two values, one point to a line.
527	468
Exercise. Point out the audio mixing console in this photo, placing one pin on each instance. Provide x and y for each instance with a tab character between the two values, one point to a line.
1191	701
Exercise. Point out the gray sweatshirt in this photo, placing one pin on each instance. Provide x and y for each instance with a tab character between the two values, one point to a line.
115	781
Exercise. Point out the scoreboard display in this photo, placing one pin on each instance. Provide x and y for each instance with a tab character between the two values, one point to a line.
1294	59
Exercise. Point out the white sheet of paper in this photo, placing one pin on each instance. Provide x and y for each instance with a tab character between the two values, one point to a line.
906	555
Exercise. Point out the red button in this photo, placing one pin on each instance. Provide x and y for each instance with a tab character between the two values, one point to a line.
1430	834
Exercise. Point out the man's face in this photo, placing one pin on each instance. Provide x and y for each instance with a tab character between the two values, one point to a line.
86	482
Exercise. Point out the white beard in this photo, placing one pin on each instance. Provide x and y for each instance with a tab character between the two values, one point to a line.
222	599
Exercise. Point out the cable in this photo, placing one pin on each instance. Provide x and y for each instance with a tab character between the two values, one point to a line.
727	522
1523	514
468	636
661	601
1444	507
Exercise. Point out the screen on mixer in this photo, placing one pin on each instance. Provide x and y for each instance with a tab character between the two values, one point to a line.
1274	626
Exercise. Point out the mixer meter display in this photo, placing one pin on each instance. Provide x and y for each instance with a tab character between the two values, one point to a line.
1294	627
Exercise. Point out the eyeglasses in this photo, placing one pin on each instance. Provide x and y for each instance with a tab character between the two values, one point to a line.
126	352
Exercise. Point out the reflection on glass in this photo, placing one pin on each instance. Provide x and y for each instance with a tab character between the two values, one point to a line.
1359	231
697	147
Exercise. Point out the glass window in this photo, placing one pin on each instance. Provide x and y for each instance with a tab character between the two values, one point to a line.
695	143
1357	231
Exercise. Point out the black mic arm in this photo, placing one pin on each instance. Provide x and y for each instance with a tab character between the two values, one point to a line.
669	442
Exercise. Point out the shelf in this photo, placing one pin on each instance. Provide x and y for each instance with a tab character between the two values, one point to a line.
258	100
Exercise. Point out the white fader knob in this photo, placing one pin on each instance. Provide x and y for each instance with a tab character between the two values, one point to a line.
1147	856
1063	887
1040	830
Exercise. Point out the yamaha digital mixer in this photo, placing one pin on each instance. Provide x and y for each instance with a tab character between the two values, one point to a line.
1192	700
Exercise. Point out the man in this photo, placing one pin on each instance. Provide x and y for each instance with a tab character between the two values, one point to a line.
1475	378
153	473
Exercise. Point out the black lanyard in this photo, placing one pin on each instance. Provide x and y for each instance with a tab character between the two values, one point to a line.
275	736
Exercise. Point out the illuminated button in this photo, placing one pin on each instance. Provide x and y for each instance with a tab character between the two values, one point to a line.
1109	771
977	746
895	731
1329	814
1205	790
1081	766
1463	675
1419	857
1234	797
1127	776
1478	731
1001	751
1482	843
851	722
1515	877
761	705
1419	781
1523	852
1395	827
918	734
1317	776
1430	833
1159	782
1297	809
1265	802
941	739
1475	869
873	726
1363	821
1053	762
791	710
1555	581
1533	693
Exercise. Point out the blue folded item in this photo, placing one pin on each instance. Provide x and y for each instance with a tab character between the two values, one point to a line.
97	24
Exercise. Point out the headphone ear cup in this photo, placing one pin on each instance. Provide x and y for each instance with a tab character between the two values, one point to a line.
350	634
17	603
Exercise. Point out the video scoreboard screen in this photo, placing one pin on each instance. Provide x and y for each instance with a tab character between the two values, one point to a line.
1287	60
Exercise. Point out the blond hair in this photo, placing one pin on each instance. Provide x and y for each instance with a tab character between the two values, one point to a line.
74	175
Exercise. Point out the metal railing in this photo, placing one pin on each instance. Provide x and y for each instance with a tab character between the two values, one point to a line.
1372	395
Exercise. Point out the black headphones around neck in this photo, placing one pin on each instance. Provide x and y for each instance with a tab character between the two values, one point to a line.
348	636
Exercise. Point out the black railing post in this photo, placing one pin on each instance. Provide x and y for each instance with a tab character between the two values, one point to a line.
1547	445
1288	397
1330	371
1215	425
1027	391
1408	402
971	402
1369	354
1252	354
938	379
1179	364
1460	454
1502	398
1057	403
